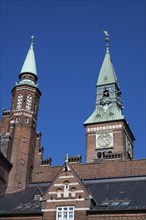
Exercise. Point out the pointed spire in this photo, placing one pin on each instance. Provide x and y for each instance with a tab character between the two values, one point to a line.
108	104
107	73
29	65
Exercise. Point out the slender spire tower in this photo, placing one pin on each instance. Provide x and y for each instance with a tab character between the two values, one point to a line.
24	111
105	127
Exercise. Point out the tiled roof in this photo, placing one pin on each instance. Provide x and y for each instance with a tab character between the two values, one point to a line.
25	201
118	193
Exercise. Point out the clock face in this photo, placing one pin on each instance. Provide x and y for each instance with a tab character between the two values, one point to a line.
104	140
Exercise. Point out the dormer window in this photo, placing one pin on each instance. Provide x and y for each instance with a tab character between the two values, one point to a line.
37	197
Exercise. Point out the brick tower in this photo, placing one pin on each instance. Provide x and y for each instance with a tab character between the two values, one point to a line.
23	120
108	135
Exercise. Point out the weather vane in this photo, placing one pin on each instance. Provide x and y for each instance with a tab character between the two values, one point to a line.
32	39
106	39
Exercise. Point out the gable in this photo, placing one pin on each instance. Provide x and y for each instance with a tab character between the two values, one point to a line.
67	189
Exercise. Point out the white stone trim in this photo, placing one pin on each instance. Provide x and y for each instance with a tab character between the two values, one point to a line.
65	177
70	184
65	200
108	127
76	191
80	209
54	210
48	210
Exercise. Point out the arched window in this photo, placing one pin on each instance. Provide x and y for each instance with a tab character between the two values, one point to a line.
28	102
104	154
106	93
19	102
19	185
26	120
99	155
66	188
17	120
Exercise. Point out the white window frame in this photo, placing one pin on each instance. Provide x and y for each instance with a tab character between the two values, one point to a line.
28	102
17	120
65	213
19	102
26	120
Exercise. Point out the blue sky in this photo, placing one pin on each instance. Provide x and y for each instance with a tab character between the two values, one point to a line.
69	49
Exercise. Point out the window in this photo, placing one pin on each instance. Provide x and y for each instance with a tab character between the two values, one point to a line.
21	162
19	102
37	197
28	102
26	120
106	93
66	189
19	184
65	213
17	120
24	139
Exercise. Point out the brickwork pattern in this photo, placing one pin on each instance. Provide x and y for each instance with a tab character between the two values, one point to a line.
118	217
119	138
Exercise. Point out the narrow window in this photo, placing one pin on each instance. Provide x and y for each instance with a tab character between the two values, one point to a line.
99	155
17	120
66	189
26	120
106	93
28	102
19	102
19	185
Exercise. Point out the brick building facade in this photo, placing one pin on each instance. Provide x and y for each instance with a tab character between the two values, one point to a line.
110	185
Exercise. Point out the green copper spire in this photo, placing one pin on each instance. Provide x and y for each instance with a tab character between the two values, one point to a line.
28	74
29	65
108	105
107	73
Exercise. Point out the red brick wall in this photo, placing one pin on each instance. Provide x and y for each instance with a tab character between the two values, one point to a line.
119	137
118	217
22	218
112	168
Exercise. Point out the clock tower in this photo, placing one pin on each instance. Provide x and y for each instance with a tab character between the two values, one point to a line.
108	136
